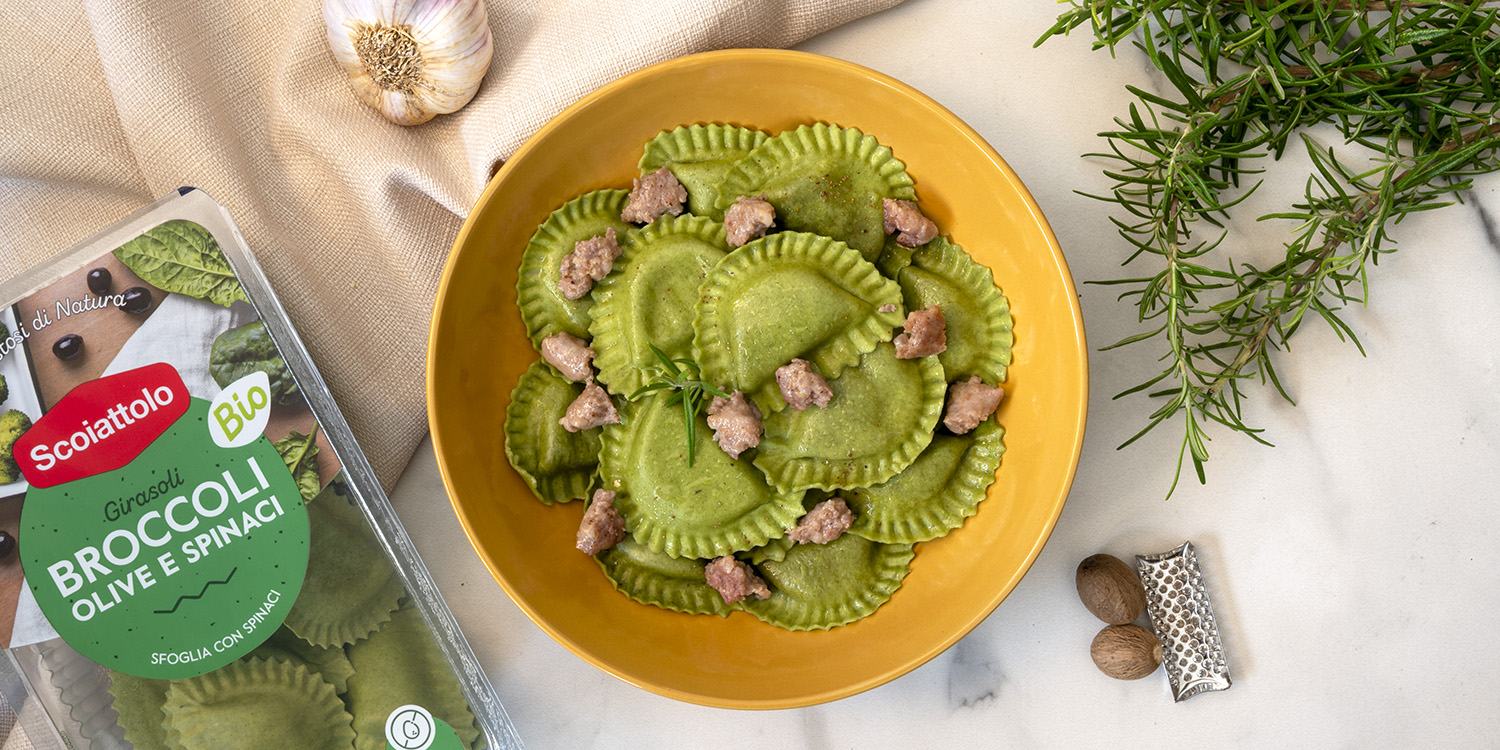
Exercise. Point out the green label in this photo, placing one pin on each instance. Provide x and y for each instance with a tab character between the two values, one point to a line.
176	564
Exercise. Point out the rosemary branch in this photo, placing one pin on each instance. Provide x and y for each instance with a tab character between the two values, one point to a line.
1412	83
1256	343
683	378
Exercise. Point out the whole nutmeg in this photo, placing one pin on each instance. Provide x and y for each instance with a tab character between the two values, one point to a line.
1110	589
1126	652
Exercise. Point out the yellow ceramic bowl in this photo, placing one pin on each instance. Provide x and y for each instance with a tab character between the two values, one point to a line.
479	349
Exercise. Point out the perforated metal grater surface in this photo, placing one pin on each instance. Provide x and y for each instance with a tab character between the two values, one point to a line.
1183	618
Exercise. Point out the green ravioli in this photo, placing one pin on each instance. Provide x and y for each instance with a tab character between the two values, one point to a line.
820	586
330	663
717	506
828	286
880	419
398	665
675	583
790	295
557	465
544	309
935	494
261	703
139	702
699	156
823	179
977	314
350	587
650	297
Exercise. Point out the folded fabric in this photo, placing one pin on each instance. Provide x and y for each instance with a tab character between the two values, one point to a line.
113	103
181	333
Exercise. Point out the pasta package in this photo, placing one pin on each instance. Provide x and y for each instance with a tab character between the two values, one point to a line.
194	553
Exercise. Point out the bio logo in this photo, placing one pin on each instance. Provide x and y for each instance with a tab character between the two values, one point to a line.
239	413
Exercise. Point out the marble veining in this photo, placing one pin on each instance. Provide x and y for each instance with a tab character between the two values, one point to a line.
1486	220
974	678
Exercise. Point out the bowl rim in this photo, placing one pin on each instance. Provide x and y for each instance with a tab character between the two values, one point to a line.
720	57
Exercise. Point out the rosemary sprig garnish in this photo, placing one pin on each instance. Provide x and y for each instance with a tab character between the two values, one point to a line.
1413	84
683	377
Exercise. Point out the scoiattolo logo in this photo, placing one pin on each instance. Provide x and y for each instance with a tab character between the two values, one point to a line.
101	425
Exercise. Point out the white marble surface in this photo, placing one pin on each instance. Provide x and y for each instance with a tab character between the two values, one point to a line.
1355	568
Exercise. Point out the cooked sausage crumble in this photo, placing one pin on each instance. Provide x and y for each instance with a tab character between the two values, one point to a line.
736	423
824	523
734	580
970	403
801	387
653	195
748	219
926	333
571	355
904	217
590	261
603	526
591	409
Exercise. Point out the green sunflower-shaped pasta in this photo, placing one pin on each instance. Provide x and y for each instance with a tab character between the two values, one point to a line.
350	588
256	704
977	314
544	309
399	665
879	420
557	465
820	586
139	703
651	296
823	179
790	295
700	155
329	663
935	494
716	506
675	583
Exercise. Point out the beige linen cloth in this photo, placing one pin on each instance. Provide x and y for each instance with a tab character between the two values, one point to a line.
106	105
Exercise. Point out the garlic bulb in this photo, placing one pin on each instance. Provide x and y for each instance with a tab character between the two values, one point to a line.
411	59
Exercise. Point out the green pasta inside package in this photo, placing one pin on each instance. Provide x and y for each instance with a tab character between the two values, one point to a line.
745	265
193	551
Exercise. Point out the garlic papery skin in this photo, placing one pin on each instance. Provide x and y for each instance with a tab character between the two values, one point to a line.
411	59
